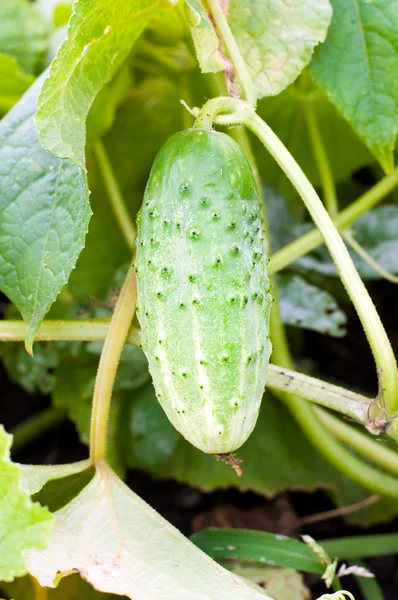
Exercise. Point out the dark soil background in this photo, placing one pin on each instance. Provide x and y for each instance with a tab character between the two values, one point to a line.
347	360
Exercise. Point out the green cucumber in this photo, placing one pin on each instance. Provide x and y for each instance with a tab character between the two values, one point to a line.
203	289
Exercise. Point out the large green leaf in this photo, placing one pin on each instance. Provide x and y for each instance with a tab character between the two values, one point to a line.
305	305
286	116
100	35
122	545
357	66
44	215
23	525
23	33
13	82
277	38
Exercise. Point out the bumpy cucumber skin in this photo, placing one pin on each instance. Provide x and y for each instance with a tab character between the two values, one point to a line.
203	290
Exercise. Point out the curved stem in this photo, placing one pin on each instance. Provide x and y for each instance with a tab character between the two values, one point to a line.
321	159
233	51
350	239
123	218
110	356
311	240
377	337
28	431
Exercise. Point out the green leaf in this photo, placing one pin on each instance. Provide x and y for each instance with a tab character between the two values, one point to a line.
285	114
258	547
44	214
122	545
362	546
376	232
205	38
100	35
23	33
23	525
70	588
357	66
13	82
307	306
32	373
277	38
149	450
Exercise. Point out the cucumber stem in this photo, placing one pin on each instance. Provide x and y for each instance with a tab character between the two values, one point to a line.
109	360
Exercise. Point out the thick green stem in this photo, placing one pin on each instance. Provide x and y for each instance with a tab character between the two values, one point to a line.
311	240
321	159
28	431
110	356
123	218
233	51
91	330
377	337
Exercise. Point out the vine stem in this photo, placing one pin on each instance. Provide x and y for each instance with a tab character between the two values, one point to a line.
321	158
73	330
309	241
123	218
110	356
375	332
234	53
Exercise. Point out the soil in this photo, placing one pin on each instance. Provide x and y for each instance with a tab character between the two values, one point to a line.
346	360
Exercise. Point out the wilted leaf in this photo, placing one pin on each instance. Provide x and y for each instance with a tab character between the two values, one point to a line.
307	306
282	584
100	34
357	66
23	525
121	545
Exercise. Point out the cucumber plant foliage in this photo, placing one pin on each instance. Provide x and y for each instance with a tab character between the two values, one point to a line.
163	154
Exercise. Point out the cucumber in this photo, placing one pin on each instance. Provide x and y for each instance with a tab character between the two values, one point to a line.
203	289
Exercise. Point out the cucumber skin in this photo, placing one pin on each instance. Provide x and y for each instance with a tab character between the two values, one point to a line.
203	290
